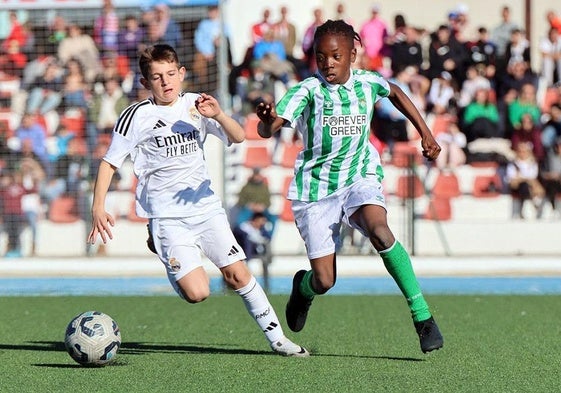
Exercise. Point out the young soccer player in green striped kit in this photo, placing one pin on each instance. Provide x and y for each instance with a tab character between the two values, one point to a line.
337	176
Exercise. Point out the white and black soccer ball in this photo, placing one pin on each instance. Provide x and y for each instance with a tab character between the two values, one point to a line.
92	339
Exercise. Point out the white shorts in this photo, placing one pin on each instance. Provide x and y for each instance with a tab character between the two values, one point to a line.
179	242
319	222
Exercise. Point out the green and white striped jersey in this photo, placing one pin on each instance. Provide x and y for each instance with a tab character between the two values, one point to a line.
334	121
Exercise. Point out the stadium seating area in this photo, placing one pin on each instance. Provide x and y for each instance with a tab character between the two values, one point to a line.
473	192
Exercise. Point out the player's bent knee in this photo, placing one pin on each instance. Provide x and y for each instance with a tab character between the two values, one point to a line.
194	287
194	297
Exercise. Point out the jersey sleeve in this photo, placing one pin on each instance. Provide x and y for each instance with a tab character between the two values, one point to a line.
211	126
123	140
293	103
380	86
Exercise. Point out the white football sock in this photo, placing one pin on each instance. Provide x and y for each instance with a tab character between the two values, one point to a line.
260	309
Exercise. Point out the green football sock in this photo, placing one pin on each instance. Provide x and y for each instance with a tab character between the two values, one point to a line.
397	262
306	288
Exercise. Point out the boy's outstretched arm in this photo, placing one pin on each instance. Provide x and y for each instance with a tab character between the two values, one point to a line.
270	122
401	101
101	220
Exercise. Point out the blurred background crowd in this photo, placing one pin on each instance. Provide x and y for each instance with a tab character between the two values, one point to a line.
64	83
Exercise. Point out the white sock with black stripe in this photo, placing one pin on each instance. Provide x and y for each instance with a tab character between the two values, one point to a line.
260	309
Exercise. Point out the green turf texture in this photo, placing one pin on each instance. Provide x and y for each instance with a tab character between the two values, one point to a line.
358	344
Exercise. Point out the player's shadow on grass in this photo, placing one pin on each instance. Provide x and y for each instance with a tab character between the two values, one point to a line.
138	348
141	348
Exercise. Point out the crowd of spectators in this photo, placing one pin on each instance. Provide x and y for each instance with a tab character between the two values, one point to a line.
71	83
475	85
479	78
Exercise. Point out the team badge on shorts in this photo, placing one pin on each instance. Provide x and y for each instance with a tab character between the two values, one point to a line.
174	264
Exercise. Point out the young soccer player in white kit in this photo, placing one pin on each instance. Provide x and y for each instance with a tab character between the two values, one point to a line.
164	136
337	176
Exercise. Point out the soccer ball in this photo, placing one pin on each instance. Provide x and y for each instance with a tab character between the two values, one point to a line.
92	339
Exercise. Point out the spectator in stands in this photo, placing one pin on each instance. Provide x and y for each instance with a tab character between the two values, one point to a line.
112	68
374	33
131	37
260	87
17	33
518	48
475	80
511	83
106	28
481	117
453	143
554	20
522	177
550	51
207	40
550	176
446	54
30	129
70	173
13	60
483	52
57	31
500	36
254	197
442	96
397	35
389	123
253	235
30	45
169	30
408	51
529	132
270	53
13	219
57	145
341	13
458	23
526	102
551	131
517	75
104	110
259	29
75	88
45	91
33	178
269	45
81	47
480	124
308	39
285	31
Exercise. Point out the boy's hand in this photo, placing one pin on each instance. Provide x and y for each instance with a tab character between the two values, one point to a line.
431	149
208	106
266	112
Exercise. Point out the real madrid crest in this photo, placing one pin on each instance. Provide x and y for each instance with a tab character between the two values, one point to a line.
194	113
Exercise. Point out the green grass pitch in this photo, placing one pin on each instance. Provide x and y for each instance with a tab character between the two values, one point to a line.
358	344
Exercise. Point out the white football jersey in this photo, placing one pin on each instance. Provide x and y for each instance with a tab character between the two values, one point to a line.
165	144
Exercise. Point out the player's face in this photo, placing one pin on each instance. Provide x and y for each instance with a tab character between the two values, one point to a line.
334	56
165	82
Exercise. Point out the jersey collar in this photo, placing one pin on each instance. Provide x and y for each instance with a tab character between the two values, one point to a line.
348	85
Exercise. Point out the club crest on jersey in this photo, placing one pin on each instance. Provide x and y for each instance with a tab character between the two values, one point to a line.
174	264
194	113
345	125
